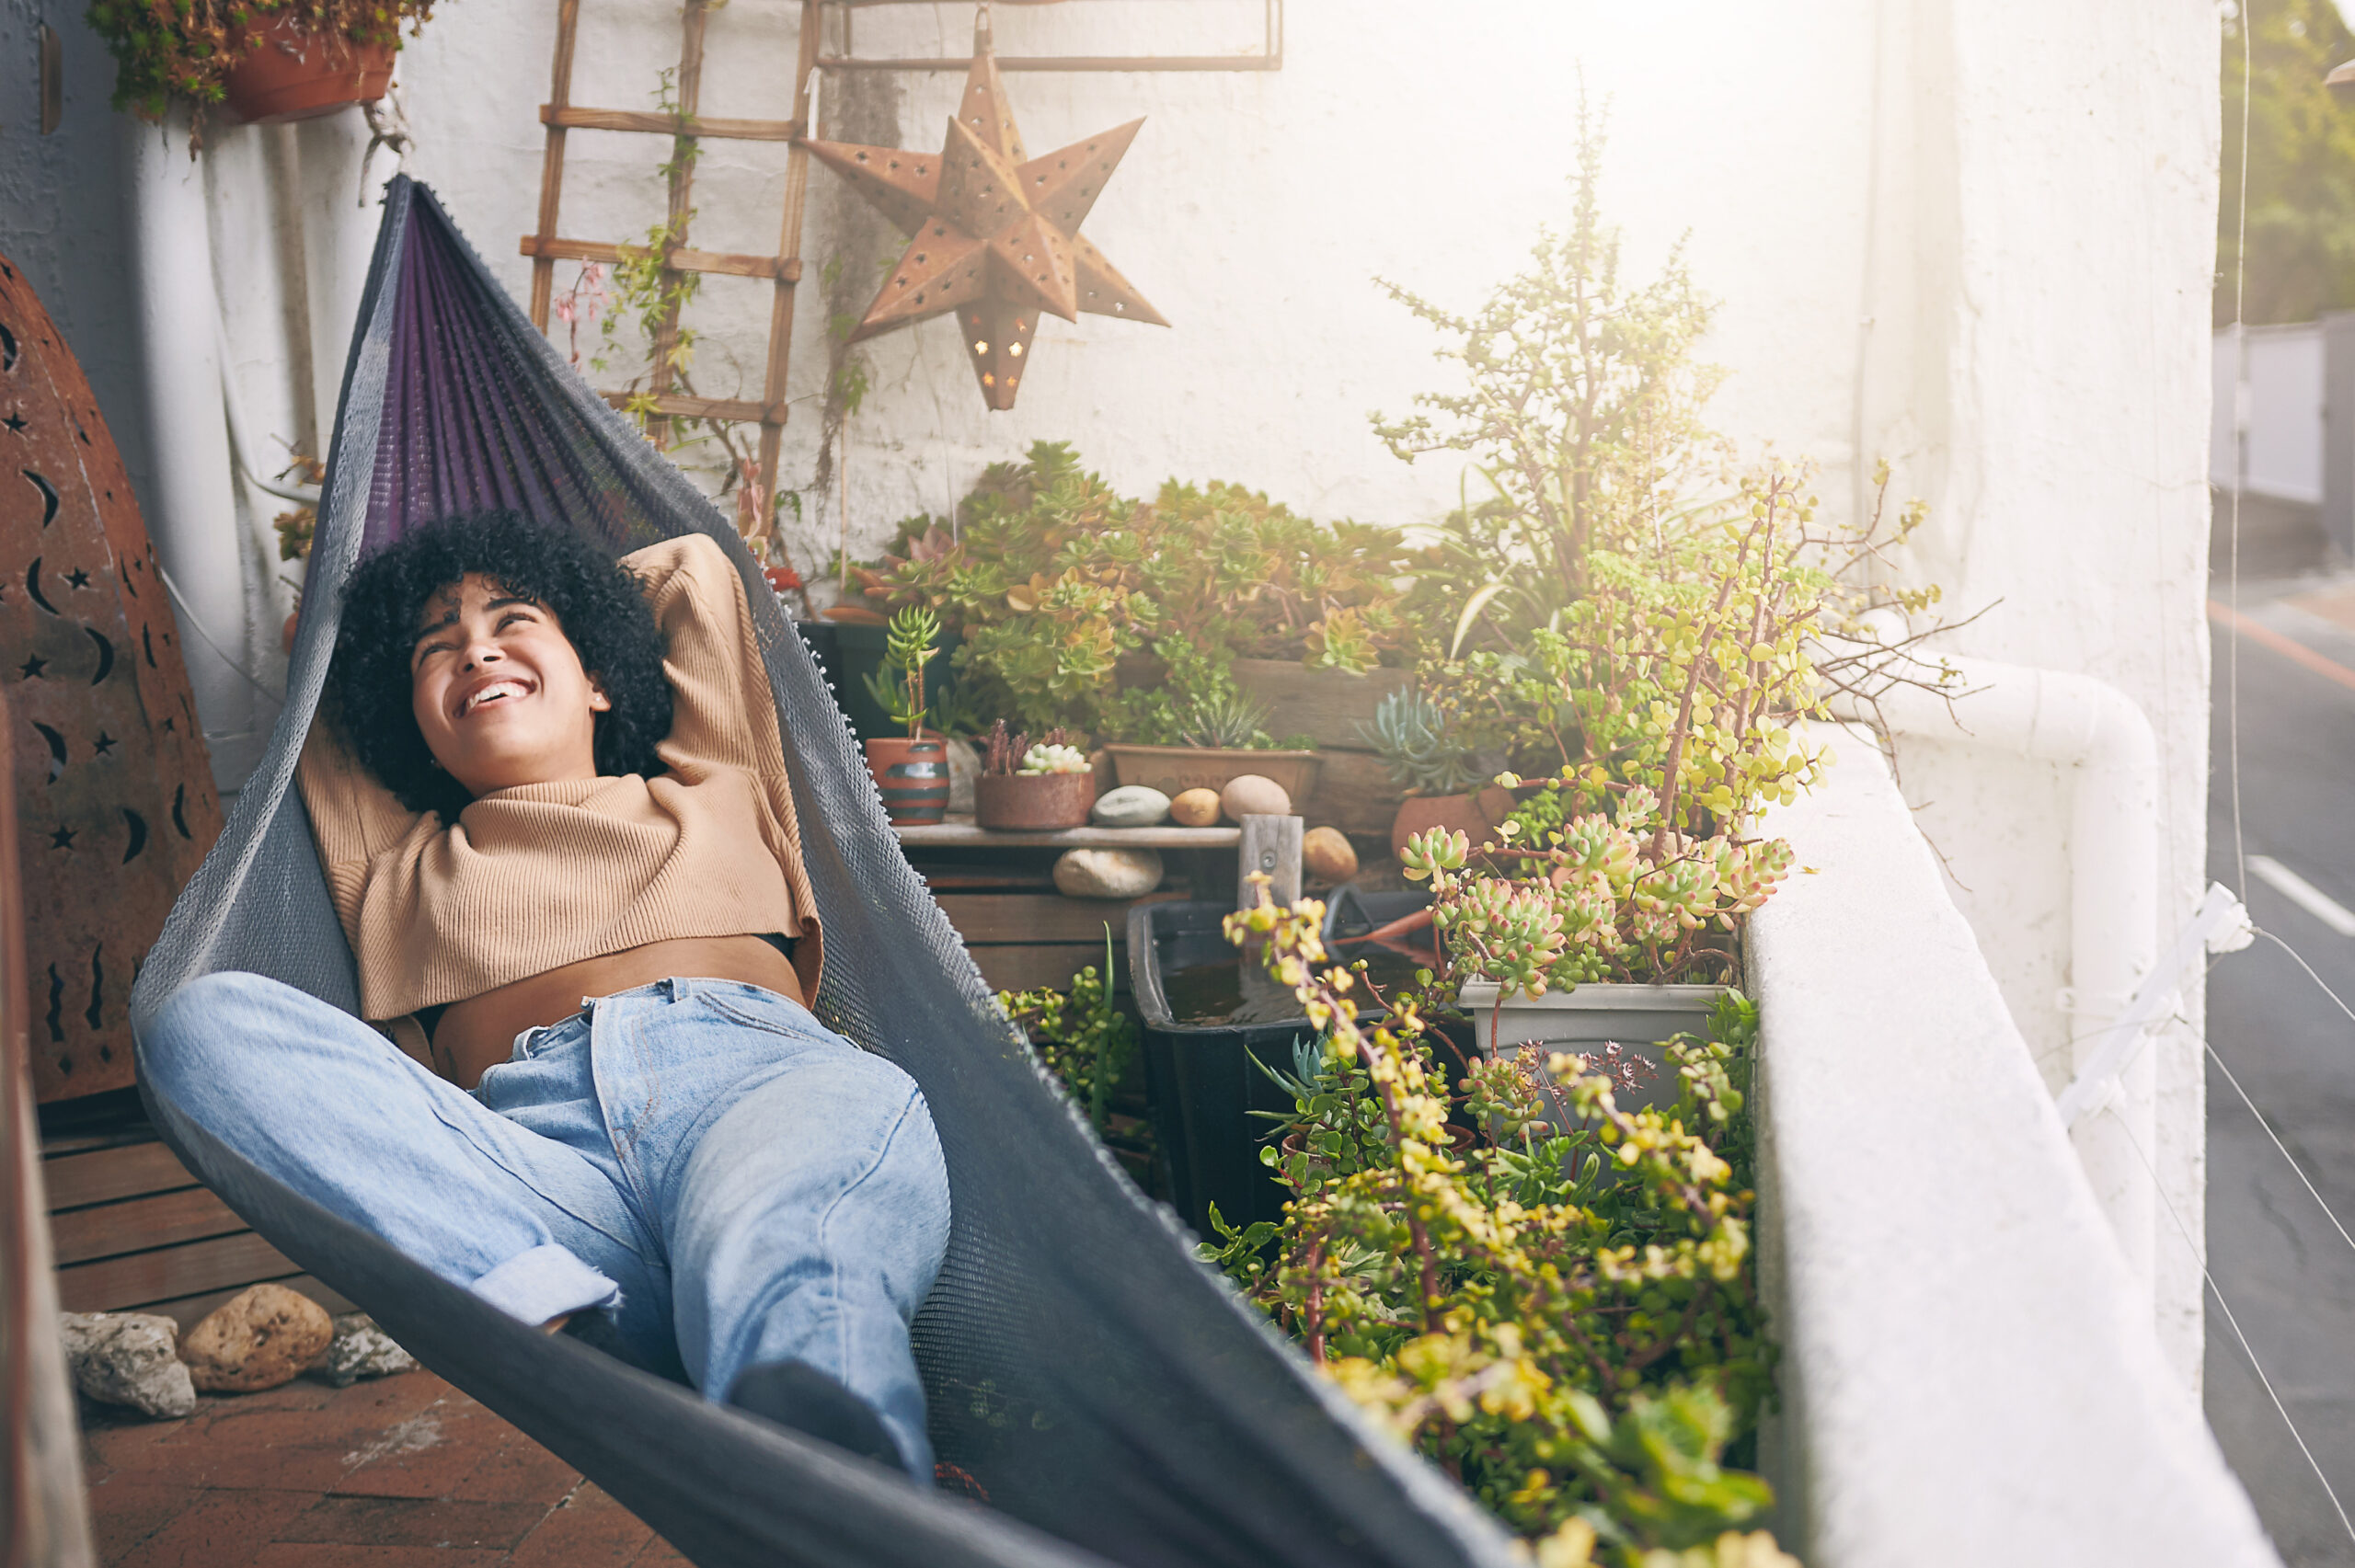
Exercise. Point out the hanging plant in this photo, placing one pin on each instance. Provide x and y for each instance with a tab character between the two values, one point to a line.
188	49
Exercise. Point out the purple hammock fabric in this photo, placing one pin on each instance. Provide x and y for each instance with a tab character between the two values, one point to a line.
1108	1395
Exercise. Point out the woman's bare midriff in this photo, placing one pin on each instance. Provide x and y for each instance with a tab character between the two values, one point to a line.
479	1033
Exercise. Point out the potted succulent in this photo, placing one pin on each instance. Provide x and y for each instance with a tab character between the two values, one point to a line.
269	60
911	772
1440	776
1222	735
1032	788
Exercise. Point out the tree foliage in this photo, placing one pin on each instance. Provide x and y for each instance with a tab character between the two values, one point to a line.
2301	244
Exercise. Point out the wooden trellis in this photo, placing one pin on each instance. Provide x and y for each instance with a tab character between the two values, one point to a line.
546	247
669	400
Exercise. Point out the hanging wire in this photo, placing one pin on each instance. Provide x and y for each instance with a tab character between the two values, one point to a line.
2199	1257
2240	381
189	619
2217	1291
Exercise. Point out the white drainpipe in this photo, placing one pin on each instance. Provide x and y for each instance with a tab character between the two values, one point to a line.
189	497
2096	731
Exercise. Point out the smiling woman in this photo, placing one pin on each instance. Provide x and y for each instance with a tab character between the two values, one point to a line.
593	605
552	809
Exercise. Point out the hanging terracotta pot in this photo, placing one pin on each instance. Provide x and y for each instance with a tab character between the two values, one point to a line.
1473	816
913	777
287	72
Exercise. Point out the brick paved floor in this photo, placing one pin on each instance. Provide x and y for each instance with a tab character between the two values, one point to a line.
395	1473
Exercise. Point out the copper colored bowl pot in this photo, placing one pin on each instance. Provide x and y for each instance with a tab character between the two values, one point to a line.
913	777
1033	802
290	73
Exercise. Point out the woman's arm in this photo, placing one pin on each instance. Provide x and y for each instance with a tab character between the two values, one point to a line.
723	712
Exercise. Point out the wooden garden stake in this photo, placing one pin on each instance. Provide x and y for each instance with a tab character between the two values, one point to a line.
1269	845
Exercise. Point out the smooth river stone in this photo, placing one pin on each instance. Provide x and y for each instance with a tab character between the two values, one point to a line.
1195	808
257	1339
1131	805
1248	794
1327	854
1108	874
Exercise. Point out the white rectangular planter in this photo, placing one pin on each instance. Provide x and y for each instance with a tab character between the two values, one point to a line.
1591	1016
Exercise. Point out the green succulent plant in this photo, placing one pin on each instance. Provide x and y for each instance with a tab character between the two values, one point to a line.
898	686
1224	720
1411	734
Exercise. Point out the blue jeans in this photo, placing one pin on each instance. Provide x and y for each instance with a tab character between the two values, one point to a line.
729	1181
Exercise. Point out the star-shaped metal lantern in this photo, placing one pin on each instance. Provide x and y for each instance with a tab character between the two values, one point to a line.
991	236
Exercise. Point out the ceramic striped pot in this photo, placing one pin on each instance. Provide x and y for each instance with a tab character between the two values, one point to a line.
913	777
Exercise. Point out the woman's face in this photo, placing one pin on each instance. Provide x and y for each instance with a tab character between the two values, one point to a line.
499	692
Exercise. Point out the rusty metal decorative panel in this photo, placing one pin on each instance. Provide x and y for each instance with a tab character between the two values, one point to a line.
114	805
992	235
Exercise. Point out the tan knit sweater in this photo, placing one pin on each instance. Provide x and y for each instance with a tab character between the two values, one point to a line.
541	876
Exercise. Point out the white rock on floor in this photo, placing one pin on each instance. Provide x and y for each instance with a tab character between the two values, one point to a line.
360	1349
129	1358
1108	874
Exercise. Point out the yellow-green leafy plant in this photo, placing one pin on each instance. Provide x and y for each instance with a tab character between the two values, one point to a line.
1620	609
1552	1297
1081	1038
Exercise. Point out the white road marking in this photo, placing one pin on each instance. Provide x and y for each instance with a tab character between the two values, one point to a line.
2303	894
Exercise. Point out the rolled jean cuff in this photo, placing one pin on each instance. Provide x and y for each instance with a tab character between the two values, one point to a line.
544	1284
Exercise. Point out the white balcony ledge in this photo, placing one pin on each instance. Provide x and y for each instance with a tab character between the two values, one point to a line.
1969	1374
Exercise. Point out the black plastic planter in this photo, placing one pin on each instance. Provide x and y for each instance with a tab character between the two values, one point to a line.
1200	1078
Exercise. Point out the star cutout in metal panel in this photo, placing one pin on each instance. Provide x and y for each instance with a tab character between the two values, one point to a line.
62	838
32	667
991	236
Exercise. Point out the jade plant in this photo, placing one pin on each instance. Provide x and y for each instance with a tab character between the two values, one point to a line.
1621	609
184	49
1552	1297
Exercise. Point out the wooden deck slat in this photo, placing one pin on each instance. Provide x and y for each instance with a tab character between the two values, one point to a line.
107	1175
134	1224
188	1310
170	1271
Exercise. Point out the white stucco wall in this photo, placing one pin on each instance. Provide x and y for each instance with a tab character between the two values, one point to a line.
1974	239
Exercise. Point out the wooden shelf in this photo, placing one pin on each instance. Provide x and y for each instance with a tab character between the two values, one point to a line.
959	832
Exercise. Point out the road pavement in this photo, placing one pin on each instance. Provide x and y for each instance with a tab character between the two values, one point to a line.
2287	1274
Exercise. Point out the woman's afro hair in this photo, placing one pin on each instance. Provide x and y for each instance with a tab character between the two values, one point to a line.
601	606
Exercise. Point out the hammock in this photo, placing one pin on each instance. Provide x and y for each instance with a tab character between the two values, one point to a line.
1111	1398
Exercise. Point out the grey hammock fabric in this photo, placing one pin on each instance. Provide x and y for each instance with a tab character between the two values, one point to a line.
1109	1396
